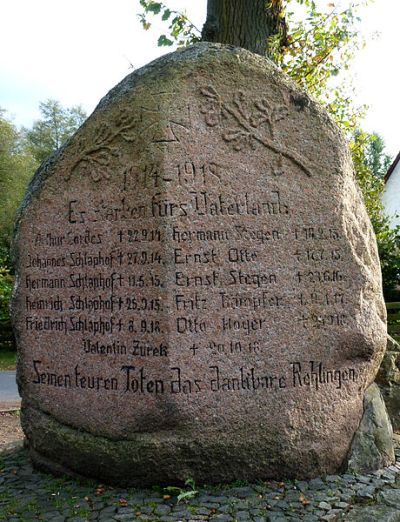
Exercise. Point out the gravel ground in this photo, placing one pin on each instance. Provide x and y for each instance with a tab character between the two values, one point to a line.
10	428
26	494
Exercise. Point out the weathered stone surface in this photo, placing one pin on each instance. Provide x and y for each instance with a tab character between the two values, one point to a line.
388	379
372	447
198	289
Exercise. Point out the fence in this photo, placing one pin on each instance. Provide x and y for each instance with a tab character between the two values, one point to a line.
393	319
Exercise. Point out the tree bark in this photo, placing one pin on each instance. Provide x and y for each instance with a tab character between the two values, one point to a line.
245	23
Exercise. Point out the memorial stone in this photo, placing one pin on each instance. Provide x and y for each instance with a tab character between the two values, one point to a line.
198	288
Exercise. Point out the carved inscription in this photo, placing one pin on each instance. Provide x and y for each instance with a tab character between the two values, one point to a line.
175	264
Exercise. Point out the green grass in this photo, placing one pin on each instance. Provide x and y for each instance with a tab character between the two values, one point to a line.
7	360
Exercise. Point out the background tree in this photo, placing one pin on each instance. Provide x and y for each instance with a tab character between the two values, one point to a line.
16	168
20	155
245	23
388	237
249	24
56	125
375	157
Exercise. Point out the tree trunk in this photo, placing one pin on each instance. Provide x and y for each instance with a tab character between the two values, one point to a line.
245	23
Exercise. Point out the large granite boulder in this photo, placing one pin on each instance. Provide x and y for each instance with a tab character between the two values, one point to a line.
198	288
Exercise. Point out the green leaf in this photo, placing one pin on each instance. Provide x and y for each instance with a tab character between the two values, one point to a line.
154	7
173	490
186	495
163	40
190	482
166	14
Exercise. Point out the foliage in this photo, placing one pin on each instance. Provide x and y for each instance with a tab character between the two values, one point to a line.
6	286
53	129
319	44
20	153
7	359
375	157
320	48
181	30
183	494
388	238
16	168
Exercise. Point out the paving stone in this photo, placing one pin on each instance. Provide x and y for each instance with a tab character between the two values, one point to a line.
216	499
365	492
390	497
224	508
346	497
332	478
51	514
341	505
277	517
108	510
154	500
316	484
162	509
123	516
221	518
325	506
147	510
242	492
364	479
302	485
374	514
282	504
124	511
332	515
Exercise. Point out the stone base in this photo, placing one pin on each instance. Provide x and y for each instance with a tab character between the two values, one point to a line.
372	447
165	459
160	458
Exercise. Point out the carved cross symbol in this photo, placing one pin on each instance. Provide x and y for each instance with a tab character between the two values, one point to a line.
166	120
194	348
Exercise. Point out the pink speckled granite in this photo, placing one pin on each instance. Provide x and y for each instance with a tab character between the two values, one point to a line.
198	290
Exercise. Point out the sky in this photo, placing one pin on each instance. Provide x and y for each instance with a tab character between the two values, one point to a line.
75	51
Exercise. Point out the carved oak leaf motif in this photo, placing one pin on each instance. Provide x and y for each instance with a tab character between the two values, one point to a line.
212	107
239	99
263	115
250	128
96	165
94	160
240	139
277	166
